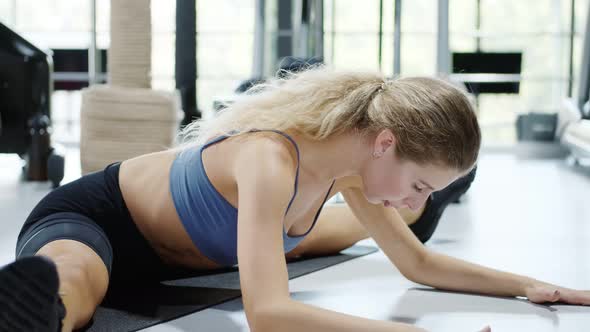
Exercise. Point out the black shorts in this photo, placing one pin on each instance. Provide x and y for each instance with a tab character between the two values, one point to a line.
91	210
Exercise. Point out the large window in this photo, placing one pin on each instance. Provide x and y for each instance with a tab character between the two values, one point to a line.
352	39
540	30
225	42
355	35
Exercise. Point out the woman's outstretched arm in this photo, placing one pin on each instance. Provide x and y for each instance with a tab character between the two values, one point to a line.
426	267
265	180
445	272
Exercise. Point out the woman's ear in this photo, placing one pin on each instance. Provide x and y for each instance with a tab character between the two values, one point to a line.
384	140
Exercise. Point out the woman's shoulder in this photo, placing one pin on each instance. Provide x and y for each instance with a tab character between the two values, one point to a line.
264	153
268	146
264	169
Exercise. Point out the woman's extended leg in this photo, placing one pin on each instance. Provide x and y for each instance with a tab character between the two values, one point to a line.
57	287
82	257
83	279
336	229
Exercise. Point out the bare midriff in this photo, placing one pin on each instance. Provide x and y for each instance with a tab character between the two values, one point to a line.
145	186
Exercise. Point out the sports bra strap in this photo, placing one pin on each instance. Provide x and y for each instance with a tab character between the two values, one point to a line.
222	137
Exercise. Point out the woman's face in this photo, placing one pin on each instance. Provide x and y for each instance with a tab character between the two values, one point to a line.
399	183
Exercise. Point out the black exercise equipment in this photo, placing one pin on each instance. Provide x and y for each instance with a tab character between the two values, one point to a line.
249	83
70	68
535	126
292	64
499	72
25	119
288	64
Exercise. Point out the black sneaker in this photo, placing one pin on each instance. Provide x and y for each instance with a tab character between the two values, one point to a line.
436	204
29	299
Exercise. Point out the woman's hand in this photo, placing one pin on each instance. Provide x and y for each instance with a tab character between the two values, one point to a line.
542	293
486	329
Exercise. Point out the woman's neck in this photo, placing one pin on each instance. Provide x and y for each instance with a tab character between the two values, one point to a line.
335	157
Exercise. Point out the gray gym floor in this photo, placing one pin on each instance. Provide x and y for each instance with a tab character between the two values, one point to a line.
526	216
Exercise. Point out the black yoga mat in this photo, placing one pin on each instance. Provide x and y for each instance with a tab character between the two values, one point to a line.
145	307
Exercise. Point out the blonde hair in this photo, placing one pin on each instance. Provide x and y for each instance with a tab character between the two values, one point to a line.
433	121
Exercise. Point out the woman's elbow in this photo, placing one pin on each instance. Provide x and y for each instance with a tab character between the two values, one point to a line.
268	316
416	270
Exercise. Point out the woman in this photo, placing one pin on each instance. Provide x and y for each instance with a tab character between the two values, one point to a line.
278	155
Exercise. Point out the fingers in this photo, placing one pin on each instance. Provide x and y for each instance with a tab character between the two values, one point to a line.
486	329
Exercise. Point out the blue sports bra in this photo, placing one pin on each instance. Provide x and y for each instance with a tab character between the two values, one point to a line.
209	219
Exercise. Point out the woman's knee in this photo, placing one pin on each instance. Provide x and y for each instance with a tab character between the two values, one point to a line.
337	228
78	266
83	278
